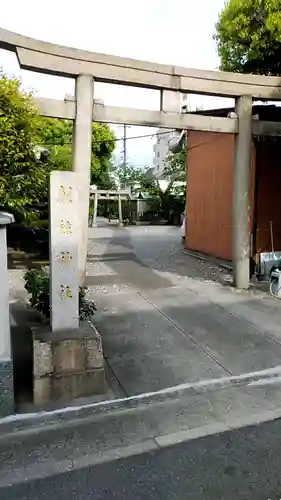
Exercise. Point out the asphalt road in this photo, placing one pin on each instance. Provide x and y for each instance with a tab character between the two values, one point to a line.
237	465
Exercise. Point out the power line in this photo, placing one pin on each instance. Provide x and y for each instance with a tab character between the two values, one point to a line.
111	140
220	136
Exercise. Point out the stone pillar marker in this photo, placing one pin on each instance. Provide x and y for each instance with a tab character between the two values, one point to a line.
67	354
6	365
65	233
241	194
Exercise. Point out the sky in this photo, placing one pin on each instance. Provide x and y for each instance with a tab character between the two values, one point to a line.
176	32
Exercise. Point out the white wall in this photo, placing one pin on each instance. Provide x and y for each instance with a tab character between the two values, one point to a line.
160	150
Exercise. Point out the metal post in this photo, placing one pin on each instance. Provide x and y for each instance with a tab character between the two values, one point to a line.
82	151
94	222
120	216
241	194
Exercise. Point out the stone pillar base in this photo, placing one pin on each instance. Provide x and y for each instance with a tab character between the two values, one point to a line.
7	405
67	364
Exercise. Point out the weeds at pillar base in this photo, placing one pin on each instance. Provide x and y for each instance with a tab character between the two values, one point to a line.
37	284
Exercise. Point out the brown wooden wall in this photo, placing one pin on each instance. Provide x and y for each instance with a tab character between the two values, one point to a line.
268	194
210	166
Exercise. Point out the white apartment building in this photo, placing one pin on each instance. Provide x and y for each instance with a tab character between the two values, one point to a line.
171	102
160	151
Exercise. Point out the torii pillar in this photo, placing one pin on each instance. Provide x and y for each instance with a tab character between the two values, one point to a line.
241	193
82	151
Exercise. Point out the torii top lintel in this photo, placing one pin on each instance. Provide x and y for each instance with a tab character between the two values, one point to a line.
45	57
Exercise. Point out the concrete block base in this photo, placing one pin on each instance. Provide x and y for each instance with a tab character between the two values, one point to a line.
6	388
67	364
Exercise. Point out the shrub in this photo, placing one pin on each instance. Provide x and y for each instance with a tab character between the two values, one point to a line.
37	284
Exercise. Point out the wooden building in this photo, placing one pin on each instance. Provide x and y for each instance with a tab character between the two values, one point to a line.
210	166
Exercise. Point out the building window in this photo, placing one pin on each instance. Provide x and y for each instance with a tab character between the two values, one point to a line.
158	154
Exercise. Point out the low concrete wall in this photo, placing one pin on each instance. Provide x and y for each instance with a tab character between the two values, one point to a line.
67	365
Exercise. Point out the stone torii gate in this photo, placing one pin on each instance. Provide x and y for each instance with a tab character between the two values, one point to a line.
109	194
88	67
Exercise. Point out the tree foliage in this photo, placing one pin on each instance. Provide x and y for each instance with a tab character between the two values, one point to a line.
129	175
22	176
248	36
170	199
56	136
103	145
175	167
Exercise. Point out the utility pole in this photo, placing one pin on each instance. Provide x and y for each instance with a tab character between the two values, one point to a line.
124	164
124	152
125	149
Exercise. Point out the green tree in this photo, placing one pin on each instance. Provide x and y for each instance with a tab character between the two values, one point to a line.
175	167
108	178
22	176
248	36
103	145
56	136
170	199
130	175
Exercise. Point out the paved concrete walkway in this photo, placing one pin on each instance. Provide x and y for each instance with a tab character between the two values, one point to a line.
167	318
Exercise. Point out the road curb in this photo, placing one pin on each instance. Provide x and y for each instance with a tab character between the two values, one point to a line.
43	420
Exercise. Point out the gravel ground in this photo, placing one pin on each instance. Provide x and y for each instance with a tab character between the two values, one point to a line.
158	247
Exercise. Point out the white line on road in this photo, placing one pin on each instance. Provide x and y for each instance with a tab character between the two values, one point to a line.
270	376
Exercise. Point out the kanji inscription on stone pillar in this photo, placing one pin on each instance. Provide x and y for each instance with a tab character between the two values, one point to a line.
65	232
